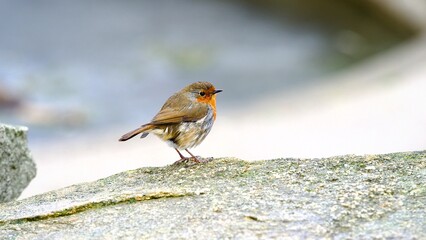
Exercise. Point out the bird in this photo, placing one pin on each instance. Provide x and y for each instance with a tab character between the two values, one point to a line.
184	120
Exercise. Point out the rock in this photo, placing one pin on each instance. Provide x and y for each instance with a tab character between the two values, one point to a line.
345	197
17	168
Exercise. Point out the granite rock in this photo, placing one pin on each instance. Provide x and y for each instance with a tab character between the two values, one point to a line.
17	168
343	197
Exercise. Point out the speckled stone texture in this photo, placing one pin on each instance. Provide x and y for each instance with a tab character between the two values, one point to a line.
17	168
344	197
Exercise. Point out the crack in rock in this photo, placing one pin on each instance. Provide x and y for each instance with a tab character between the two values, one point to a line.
98	204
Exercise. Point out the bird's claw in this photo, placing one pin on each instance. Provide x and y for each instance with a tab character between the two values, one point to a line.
195	160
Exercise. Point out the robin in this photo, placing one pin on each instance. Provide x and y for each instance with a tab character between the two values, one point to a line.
184	120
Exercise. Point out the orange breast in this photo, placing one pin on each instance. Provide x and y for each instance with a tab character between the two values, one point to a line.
211	100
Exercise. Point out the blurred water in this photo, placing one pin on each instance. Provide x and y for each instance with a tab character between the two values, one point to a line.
96	64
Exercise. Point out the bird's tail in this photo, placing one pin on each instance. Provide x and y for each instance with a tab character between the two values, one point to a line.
135	132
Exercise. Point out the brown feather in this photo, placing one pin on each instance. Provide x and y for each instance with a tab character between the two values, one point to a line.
170	116
135	132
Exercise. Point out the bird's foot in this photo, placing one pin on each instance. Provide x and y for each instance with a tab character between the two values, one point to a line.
185	160
194	160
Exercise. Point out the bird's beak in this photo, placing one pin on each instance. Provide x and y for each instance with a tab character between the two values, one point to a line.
217	91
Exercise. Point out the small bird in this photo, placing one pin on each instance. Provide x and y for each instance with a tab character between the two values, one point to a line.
185	119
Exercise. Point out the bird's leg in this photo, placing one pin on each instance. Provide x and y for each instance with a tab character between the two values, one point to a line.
193	157
184	159
180	155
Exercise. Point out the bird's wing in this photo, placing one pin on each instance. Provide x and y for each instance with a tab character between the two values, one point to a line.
186	114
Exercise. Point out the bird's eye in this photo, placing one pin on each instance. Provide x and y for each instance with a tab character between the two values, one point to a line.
202	94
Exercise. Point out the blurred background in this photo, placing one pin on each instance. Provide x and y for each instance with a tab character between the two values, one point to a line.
300	78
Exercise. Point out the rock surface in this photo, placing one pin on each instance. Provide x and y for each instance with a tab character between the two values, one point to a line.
372	196
17	168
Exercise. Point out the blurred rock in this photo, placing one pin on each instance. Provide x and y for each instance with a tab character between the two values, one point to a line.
7	100
48	116
17	168
345	197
